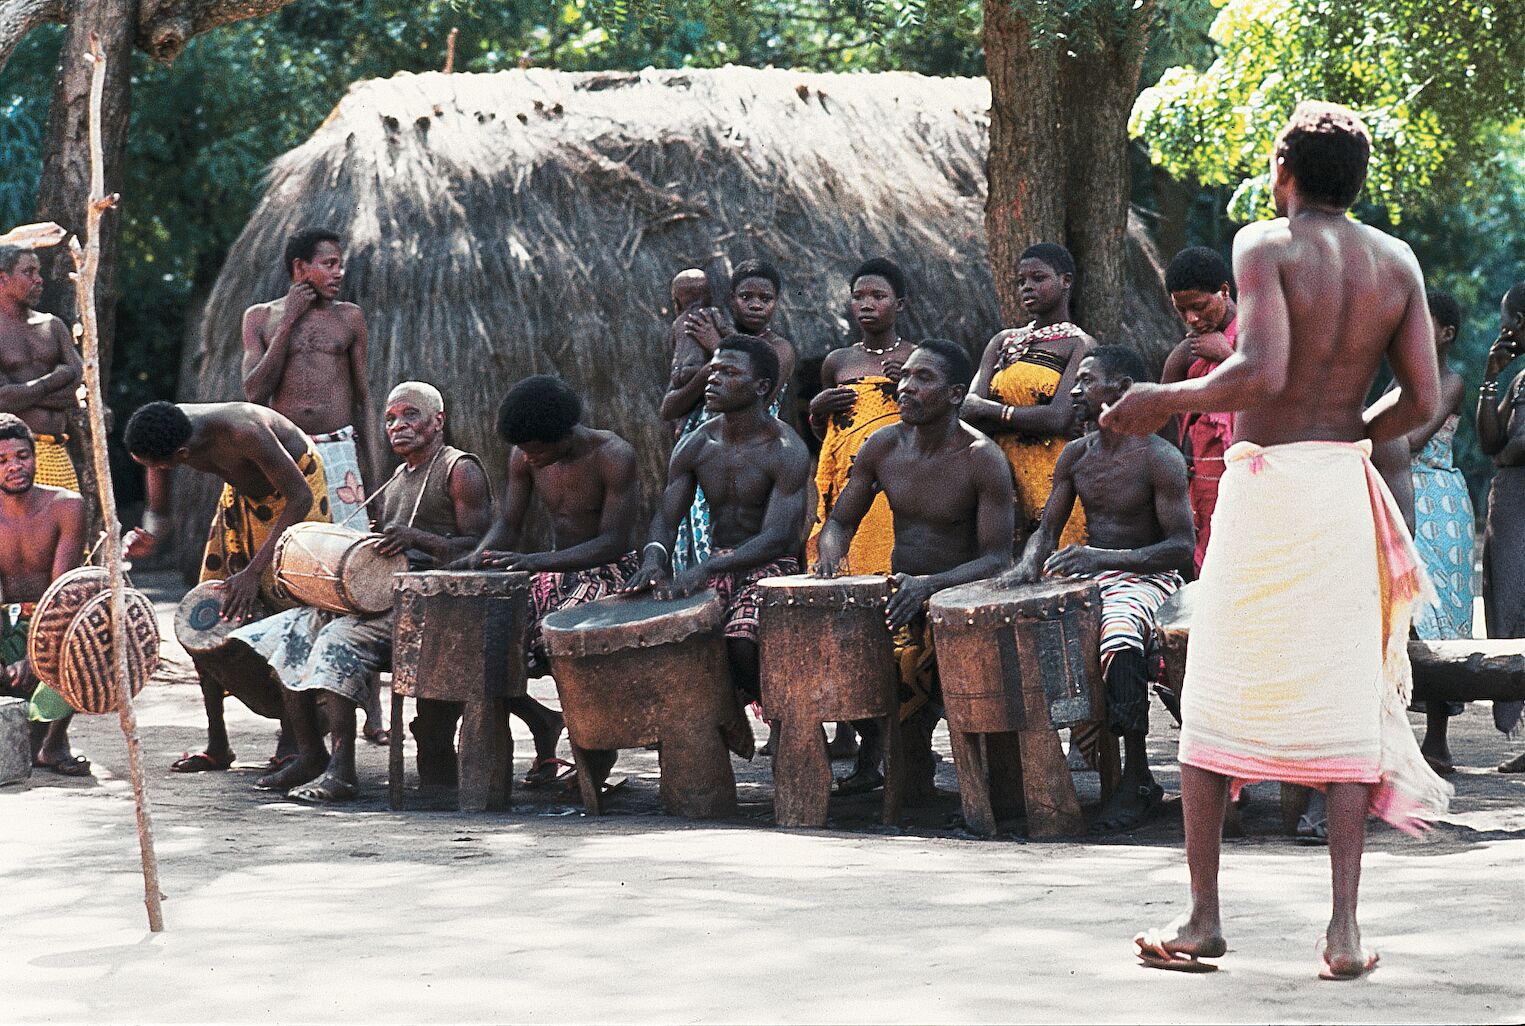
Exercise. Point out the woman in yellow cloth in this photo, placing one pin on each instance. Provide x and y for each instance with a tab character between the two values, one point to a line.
857	398
1021	396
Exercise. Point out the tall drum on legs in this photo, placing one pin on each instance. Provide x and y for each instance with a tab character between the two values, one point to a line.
635	671
1016	663
826	655
458	636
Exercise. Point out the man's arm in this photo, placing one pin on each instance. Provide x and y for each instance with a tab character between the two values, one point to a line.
142	542
265	363
1056	513
69	551
851	506
1176	548
262	446
677	497
499	547
360	390
1411	355
618	470
782	519
995	520
46	389
471	501
680	400
1257	371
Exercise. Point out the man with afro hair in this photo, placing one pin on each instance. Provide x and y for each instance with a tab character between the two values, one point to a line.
586	481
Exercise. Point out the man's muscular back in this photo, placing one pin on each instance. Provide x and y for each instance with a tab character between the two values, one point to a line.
315	390
1341	296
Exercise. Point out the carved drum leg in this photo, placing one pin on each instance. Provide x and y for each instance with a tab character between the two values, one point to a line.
826	656
635	671
458	636
1015	665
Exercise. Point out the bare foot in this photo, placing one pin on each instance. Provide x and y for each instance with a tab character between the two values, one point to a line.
1186	937
292	774
1344	958
546	740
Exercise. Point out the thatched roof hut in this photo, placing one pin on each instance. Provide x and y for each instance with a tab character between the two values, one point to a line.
529	221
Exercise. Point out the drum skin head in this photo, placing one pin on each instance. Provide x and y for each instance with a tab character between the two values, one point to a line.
630	621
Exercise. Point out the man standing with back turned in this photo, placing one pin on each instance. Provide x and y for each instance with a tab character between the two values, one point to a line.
1298	667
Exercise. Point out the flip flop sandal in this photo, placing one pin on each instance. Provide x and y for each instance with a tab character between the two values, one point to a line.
325	790
377	736
547	771
1153	954
1153	795
201	762
858	783
1329	972
73	766
276	762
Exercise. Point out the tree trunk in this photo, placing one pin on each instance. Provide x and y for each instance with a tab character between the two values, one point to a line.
1058	163
1173	199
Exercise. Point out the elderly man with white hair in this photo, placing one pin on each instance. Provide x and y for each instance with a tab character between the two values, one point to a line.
435	508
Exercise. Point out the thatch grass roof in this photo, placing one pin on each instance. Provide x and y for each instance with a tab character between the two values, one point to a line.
528	221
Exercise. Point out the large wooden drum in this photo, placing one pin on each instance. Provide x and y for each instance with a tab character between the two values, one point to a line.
636	670
826	655
199	626
87	677
336	568
458	636
1014	664
1010	658
63	600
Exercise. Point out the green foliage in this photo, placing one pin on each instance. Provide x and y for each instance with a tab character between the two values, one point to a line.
1430	79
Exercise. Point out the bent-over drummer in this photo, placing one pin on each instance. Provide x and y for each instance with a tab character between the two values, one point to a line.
435	508
272	479
950	494
1141	542
753	469
586	480
42	530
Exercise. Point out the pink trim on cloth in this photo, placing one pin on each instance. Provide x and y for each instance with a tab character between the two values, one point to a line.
1405	791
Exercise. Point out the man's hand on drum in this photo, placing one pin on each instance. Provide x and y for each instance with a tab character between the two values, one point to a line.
910	598
400	539
822	569
139	544
644	579
689	582
1073	561
495	559
1025	572
240	596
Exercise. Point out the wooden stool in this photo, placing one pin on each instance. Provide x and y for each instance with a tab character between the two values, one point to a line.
458	636
634	671
1015	664
826	656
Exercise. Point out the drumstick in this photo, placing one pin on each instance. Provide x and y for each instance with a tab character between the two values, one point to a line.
86	263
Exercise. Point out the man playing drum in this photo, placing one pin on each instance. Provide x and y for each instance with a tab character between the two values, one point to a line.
435	508
42	532
950	493
1140	544
272	478
586	480
1298	668
753	468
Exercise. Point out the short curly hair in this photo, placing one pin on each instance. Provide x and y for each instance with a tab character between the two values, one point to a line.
1198	269
1444	308
1514	299
541	408
763	359
756	269
1051	253
955	360
10	256
157	431
304	244
1120	361
1326	147
881	267
14	429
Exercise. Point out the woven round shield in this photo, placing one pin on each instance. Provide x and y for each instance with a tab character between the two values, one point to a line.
87	681
55	611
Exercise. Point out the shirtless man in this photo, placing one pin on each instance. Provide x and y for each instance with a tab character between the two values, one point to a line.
42	533
950	493
40	370
272	478
754	469
1139	546
305	357
1279	679
586	480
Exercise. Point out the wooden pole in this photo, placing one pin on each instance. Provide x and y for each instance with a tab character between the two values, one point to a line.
86	263
450	51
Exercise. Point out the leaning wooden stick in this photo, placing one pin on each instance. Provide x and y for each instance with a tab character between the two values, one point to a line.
86	262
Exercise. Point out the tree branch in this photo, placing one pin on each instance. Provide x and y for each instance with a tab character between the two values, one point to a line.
18	17
165	26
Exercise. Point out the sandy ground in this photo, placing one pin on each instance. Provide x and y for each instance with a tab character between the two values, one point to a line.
281	913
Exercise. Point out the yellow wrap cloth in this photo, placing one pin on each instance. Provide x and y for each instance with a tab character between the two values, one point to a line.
1032	457
846	432
241	526
54	468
